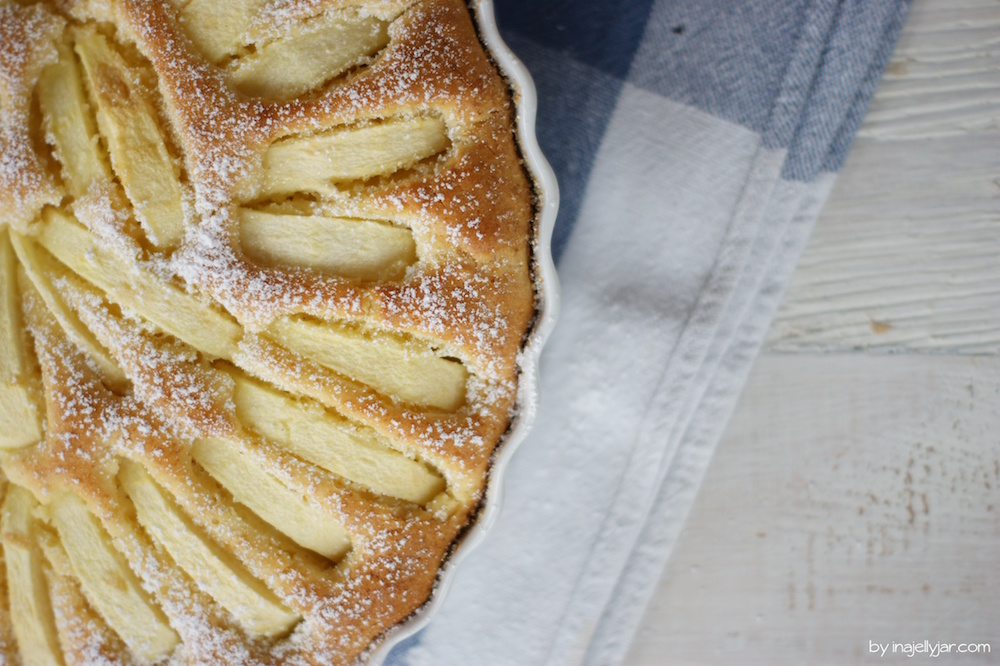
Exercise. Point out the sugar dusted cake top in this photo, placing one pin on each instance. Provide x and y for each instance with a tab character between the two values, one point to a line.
265	269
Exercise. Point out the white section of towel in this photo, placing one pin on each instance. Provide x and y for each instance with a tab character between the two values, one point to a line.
667	181
792	212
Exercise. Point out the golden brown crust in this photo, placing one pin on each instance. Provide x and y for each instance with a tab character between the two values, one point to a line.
149	325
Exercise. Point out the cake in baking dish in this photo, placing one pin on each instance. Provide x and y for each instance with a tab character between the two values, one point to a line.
265	270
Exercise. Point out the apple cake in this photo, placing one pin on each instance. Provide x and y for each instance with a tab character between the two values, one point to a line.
266	274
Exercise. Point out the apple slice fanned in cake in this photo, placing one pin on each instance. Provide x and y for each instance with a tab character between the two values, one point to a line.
20	419
317	162
387	363
353	248
260	321
285	56
309	54
70	124
282	508
137	289
30	606
137	146
213	569
315	434
37	270
109	583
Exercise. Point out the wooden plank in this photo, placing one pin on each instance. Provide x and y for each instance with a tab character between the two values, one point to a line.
906	255
944	77
855	498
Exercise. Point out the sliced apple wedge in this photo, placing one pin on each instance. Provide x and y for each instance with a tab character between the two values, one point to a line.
12	352
219	28
365	249
84	635
286	511
40	268
108	583
64	105
20	419
312	163
214	570
55	553
385	363
204	327
311	432
30	607
312	53
139	154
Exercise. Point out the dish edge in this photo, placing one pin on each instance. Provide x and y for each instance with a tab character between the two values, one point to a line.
546	191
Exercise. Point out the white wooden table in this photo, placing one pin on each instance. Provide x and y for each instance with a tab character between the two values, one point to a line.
855	499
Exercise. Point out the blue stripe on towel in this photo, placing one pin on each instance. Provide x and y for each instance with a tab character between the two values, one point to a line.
578	53
575	102
858	39
725	57
856	114
602	34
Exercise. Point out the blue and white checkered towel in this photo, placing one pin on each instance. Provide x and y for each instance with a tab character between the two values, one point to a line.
695	142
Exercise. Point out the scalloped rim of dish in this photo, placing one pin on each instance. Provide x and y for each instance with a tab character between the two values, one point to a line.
546	188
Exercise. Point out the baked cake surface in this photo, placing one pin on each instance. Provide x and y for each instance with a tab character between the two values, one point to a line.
265	269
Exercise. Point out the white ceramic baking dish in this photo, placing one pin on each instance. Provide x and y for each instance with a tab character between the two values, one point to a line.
547	305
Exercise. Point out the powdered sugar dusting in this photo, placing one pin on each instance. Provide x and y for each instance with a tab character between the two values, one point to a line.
26	36
103	211
468	298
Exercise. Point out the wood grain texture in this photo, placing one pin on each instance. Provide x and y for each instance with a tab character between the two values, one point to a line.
906	255
855	498
944	77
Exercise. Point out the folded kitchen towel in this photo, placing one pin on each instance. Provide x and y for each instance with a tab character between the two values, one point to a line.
695	142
